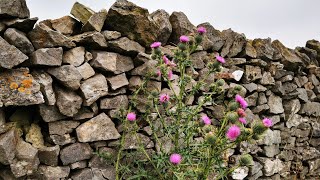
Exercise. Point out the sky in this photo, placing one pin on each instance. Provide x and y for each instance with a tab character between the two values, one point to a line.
293	22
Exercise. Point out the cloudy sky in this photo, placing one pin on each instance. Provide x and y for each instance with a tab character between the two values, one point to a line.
293	22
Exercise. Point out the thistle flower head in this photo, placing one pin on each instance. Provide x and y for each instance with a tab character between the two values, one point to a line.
233	132
220	59
155	45
184	39
267	122
175	158
163	98
165	59
241	112
131	116
243	103
243	120
201	30
170	74
206	120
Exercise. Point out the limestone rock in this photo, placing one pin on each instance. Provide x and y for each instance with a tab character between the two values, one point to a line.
132	142
86	70
14	8
24	25
85	173
198	59
8	142
311	109
68	102
234	43
19	40
252	73
92	40
117	102
267	79
180	26
288	58
66	25
10	52
34	136
263	48
271	167
47	57
75	152
49	172
49	155
62	140
132	21
240	173
111	35
45	81
81	12
275	104
94	88
62	127
161	17
74	56
125	46
68	75
212	39
44	37
95	22
118	81
50	113
111	62
270	137
96	129
22	90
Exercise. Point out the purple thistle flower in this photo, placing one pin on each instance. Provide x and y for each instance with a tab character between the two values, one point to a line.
155	45
233	132
206	120
267	122
175	158
243	120
184	39
220	59
201	30
243	103
164	98
131	116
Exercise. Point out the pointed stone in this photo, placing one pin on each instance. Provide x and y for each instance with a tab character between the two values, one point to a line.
81	12
94	88
95	22
10	56
180	26
14	8
68	102
19	40
24	25
74	56
66	25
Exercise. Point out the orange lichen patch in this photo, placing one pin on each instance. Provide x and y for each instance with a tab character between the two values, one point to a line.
13	85
27	83
21	89
26	73
28	92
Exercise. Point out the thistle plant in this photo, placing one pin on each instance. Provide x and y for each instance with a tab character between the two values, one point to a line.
190	143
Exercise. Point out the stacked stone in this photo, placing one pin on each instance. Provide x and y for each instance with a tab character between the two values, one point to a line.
64	81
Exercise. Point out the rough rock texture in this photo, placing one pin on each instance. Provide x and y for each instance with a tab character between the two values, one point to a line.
180	26
96	129
132	21
10	52
19	40
18	88
14	8
68	75
94	88
47	57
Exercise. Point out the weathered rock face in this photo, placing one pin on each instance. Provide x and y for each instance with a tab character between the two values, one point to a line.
98	128
44	37
132	21
14	8
75	152
180	26
19	40
10	56
68	75
19	88
66	25
94	88
47	57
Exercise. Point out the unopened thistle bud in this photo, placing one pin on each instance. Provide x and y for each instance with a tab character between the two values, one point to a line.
232	117
258	128
233	106
182	46
198	39
220	82
237	88
246	160
211	138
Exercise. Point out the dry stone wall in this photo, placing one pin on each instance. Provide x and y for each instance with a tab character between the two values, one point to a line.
63	81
